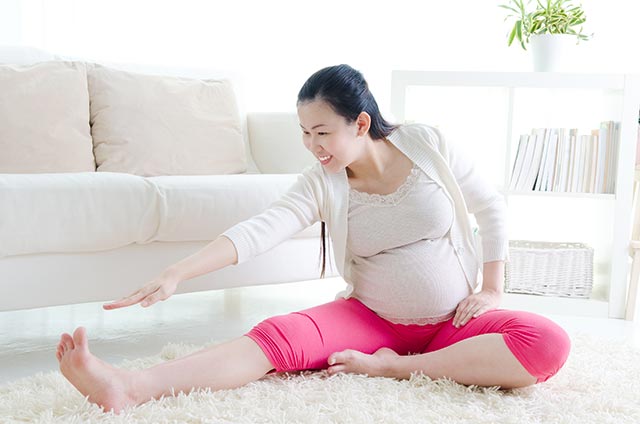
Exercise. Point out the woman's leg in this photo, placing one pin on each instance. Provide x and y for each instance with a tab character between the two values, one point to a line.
297	341
499	348
483	360
228	365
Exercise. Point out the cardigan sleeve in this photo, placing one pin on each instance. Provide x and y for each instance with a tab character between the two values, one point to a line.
297	209
482	199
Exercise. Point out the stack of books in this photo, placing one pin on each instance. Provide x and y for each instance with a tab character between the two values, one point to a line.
561	160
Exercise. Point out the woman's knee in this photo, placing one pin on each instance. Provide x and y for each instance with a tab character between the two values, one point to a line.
291	342
541	345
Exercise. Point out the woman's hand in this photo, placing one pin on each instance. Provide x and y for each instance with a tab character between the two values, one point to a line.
476	305
160	288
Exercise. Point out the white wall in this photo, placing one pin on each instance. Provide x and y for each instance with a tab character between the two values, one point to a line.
10	22
278	44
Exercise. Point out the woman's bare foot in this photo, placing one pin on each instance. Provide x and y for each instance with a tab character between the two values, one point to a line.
353	361
107	386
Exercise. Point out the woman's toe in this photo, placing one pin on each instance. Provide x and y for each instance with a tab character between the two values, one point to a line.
341	357
68	341
61	348
80	338
337	369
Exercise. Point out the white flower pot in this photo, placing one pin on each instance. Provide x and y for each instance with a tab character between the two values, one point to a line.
552	52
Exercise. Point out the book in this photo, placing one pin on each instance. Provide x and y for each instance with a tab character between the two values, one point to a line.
561	160
609	133
603	152
534	167
594	161
519	160
559	183
614	132
526	162
537	186
593	142
585	163
552	154
572	176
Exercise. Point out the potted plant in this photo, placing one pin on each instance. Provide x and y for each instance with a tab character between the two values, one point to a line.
551	28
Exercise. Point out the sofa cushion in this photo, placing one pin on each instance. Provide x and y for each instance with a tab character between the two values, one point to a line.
75	212
44	118
83	212
203	207
152	125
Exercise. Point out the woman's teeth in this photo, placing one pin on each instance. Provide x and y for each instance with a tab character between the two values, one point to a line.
325	159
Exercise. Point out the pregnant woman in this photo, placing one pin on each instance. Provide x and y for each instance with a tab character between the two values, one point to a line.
423	294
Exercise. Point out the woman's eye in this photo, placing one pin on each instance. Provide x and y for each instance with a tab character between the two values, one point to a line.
322	133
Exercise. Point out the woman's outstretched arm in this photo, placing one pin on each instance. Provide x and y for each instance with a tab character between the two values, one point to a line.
293	212
216	255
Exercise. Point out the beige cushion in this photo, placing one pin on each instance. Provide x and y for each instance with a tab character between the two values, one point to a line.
44	118
152	125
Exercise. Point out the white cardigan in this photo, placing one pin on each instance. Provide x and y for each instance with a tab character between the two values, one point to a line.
319	195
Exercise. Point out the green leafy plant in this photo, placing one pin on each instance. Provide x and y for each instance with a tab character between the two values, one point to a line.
550	17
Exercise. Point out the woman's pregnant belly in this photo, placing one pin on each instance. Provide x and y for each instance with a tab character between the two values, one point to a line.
420	283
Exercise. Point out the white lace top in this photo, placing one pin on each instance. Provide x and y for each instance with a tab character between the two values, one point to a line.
404	266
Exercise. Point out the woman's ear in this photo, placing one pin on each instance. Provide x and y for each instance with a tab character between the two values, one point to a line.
363	122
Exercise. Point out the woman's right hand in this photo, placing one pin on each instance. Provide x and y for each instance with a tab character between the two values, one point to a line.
160	288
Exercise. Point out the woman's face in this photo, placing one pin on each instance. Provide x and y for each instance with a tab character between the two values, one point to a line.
328	135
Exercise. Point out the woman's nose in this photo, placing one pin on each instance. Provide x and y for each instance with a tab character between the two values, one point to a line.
314	142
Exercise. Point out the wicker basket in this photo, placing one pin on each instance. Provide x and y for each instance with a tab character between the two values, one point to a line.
549	269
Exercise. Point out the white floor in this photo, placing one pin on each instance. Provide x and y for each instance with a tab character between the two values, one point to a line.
28	338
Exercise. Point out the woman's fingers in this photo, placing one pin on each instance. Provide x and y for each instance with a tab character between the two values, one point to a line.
150	300
465	314
468	315
161	294
459	318
125	301
460	313
481	311
132	299
473	312
472	307
156	290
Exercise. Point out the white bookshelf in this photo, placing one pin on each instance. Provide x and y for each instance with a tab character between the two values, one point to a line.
505	107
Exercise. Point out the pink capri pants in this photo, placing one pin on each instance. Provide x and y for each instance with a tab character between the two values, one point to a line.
304	340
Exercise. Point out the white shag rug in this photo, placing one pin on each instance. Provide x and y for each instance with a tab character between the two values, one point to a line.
600	383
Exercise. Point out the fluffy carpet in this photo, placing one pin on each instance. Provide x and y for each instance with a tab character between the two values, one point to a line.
598	384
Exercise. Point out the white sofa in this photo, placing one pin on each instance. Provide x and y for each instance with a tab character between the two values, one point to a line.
70	237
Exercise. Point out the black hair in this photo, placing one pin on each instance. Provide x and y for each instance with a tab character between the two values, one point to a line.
346	91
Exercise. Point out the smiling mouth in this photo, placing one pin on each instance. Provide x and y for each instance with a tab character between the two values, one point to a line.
324	159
